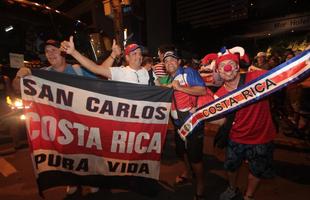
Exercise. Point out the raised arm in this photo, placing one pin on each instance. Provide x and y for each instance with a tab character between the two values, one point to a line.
102	69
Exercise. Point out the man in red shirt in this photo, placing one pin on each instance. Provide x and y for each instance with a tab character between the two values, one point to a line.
188	87
251	134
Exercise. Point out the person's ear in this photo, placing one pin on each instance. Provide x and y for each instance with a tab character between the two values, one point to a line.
127	58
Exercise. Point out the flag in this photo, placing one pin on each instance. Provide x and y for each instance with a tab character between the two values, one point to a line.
85	131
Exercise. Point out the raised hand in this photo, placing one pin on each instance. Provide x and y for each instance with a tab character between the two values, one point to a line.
68	46
116	50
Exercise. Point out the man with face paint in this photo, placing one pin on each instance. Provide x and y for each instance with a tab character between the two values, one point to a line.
132	73
251	134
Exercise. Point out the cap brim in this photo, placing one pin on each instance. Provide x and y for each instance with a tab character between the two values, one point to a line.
173	56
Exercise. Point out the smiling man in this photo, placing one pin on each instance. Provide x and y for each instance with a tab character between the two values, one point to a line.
188	86
250	136
132	73
57	61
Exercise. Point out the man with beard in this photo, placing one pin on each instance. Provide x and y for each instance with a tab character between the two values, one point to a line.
251	133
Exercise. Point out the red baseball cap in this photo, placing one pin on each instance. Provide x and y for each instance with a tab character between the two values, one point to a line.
131	48
52	42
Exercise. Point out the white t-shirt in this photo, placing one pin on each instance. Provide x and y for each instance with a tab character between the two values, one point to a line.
127	74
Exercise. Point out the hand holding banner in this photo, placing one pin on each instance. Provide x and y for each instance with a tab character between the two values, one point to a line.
94	132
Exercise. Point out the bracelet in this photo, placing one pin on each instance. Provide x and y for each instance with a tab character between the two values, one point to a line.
112	57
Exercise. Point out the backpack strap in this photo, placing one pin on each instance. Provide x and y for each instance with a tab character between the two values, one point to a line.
151	78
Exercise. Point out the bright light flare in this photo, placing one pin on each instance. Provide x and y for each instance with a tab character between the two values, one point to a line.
17	104
9	28
22	117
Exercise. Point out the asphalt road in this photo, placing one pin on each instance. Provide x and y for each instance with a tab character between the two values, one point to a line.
17	181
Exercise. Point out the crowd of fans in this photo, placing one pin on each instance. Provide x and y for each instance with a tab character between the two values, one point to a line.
192	79
289	103
288	109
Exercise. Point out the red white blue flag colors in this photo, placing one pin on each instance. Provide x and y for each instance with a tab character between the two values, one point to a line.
291	71
84	131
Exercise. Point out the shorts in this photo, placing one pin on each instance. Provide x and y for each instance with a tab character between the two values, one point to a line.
193	147
259	157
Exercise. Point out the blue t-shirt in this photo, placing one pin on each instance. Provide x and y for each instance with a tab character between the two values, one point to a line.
190	76
69	70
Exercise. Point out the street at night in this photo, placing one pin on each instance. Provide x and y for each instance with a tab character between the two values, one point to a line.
292	181
154	99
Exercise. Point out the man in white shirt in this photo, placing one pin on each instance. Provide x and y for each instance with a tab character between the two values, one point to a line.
132	73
